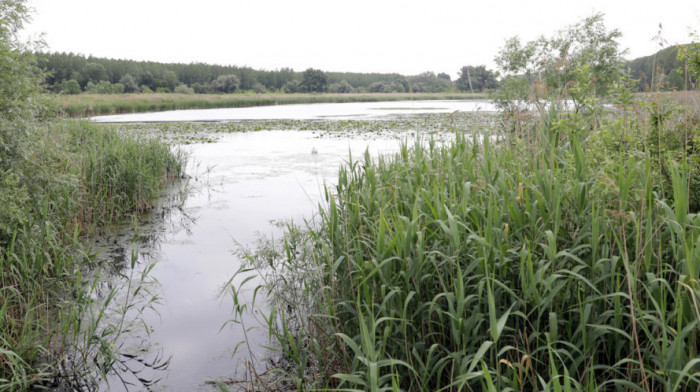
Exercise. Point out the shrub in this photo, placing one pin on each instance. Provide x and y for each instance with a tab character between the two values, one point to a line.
71	87
342	87
163	90
183	89
117	88
314	81
226	83
130	84
259	88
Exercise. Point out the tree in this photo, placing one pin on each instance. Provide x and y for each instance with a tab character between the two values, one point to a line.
379	87
130	84
429	82
292	86
259	88
314	80
94	72
167	79
445	76
183	89
690	55
554	62
342	87
226	83
70	87
19	81
479	77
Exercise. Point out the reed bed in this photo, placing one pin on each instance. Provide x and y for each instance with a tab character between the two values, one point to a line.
564	255
86	105
72	179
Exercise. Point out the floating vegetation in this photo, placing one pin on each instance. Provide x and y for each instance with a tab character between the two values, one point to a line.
399	126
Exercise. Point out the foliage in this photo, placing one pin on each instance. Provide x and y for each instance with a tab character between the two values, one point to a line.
146	90
549	260
70	87
314	81
292	86
19	83
130	84
428	82
94	73
226	83
183	89
65	66
259	88
163	90
552	61
342	87
58	182
476	78
690	55
104	87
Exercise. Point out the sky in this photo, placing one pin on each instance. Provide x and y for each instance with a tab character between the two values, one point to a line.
406	37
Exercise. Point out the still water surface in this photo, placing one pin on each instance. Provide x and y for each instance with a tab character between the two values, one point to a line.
238	185
318	111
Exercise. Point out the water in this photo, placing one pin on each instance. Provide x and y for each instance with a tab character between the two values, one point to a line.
238	185
319	111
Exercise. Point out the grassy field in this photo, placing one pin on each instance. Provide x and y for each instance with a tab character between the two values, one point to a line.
85	105
564	257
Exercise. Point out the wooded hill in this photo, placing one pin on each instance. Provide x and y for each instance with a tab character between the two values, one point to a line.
660	71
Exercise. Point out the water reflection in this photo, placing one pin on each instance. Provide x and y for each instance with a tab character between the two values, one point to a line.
169	269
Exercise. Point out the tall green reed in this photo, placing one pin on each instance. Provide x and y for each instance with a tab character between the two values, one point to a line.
74	178
546	261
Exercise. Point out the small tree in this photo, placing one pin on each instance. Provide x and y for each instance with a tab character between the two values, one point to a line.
130	84
70	87
476	78
314	80
553	62
292	86
226	83
94	72
690	55
259	88
183	89
117	88
445	76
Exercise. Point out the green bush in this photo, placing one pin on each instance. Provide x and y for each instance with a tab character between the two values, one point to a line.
183	89
70	87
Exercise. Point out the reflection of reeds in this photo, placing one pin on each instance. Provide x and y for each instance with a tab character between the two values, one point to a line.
85	105
547	262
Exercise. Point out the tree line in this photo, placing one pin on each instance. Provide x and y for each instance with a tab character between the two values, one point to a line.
70	73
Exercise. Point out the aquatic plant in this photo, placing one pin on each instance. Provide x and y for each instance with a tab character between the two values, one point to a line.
551	260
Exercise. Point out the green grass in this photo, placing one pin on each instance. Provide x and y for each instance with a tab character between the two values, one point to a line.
85	105
561	258
72	179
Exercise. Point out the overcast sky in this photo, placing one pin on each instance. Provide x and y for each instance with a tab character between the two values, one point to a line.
403	36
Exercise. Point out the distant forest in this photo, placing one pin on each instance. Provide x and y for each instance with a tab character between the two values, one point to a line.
72	73
660	71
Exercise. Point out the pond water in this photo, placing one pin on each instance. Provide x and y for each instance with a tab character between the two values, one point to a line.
319	111
237	186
